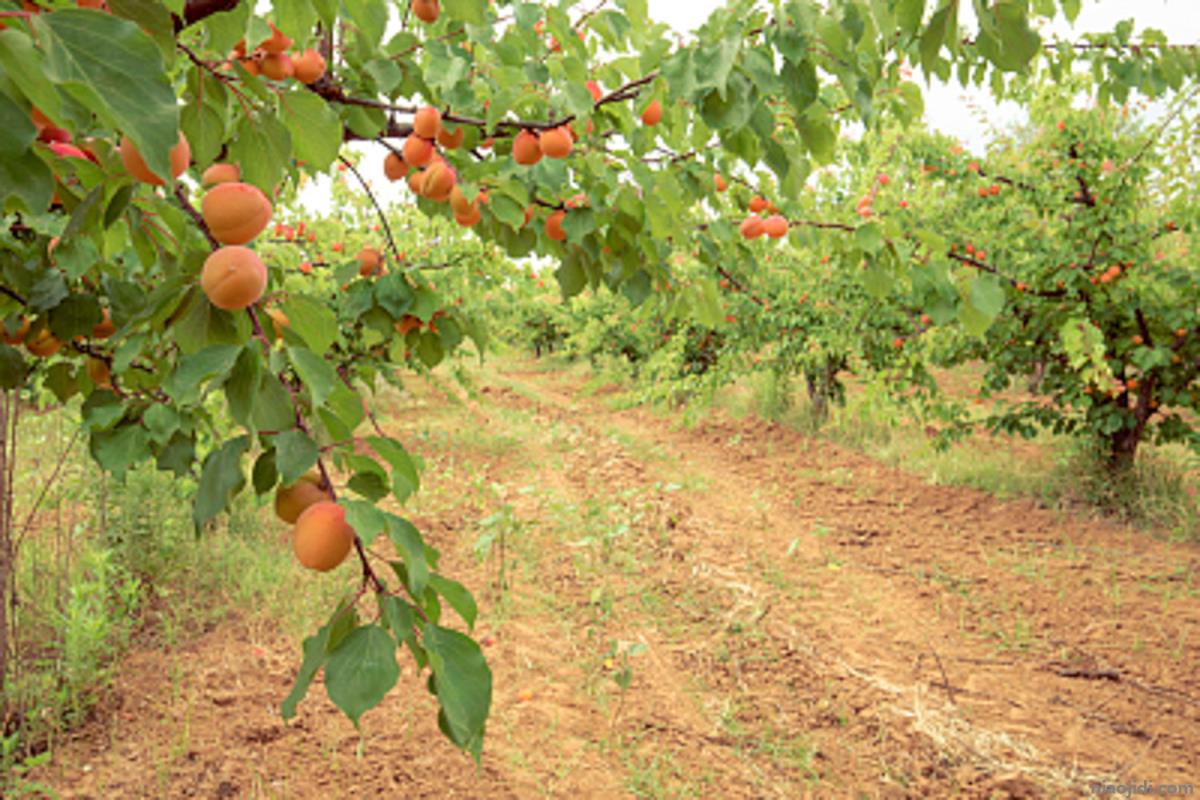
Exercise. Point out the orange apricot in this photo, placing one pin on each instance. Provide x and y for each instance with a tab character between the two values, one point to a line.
308	67
233	277
99	373
471	218
369	261
135	165
235	212
417	151
595	90
277	66
719	183
653	113
280	321
277	43
416	180
427	10
776	226
291	501
554	229
757	204
394	167
104	328
17	336
752	227
526	150
427	122
220	173
322	538
555	143
43	344
451	139
440	180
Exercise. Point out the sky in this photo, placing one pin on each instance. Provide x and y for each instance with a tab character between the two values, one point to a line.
948	107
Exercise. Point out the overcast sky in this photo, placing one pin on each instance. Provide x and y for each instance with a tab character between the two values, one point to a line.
947	107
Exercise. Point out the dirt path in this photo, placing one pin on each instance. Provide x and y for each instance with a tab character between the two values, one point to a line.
797	620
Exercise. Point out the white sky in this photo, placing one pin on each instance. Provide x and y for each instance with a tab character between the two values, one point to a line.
947	107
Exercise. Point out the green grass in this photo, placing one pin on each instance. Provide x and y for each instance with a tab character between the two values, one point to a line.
1059	472
107	564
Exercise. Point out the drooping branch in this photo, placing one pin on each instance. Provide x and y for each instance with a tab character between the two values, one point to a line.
383	220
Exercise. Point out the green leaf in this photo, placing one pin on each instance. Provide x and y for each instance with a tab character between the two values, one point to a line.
370	18
204	129
241	388
869	237
361	671
262	148
315	128
571	277
318	375
399	617
273	406
120	448
987	295
818	135
405	479
312	321
17	130
296	18
118	73
470	11
366	519
314	658
464	685
295	454
12	367
185	382
25	176
407	540
23	63
220	480
457	596
161	422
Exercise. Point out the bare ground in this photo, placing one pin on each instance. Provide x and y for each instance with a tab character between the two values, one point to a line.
798	621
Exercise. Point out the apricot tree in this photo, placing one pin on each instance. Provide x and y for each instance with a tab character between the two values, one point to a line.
581	132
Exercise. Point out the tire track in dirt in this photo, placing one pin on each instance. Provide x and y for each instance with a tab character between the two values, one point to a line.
1060	708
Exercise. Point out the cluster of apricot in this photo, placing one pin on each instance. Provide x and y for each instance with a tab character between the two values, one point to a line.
754	226
270	59
233	277
429	174
321	537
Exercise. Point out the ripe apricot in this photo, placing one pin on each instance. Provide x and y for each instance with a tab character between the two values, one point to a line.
394	167
653	113
427	10
595	90
235	212
280	321
233	277
554	229
416	180
277	66
322	538
308	67
555	143
104	328
427	122
99	373
43	344
526	150
459	201
407	323
451	139
417	151
440	180
135	165
251	65
17	336
776	226
752	227
369	261
291	501
719	183
278	41
471	218
757	204
220	173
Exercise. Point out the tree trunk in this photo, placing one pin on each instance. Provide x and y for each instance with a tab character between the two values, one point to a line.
1123	449
6	537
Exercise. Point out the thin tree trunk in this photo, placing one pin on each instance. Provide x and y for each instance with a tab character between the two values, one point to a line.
6	537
